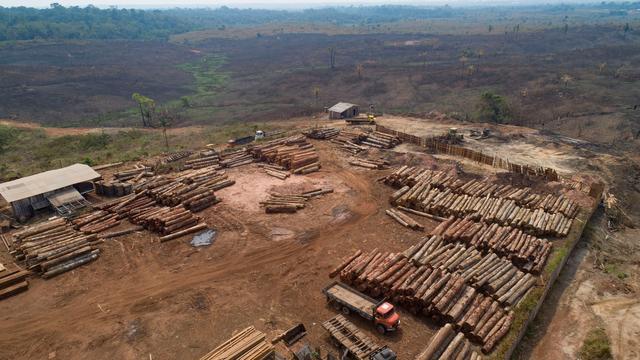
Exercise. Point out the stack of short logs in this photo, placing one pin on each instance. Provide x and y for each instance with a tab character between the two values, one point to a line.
348	140
290	203
248	344
13	281
293	153
54	247
446	344
434	292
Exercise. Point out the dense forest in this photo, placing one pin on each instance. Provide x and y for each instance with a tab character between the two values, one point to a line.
59	22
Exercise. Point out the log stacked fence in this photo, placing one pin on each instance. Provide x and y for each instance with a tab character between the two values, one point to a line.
437	145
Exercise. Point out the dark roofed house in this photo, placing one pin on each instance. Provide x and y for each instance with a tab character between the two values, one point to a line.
343	110
60	189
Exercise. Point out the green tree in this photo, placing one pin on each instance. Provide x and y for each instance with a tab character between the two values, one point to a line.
494	108
147	107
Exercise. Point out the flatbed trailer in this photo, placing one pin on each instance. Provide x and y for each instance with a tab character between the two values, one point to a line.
349	300
355	342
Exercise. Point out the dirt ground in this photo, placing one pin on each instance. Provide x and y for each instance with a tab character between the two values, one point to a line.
144	299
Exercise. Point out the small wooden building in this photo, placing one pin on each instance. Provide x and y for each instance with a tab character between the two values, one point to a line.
343	110
60	189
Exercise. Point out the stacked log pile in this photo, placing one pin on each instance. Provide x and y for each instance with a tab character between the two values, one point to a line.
235	158
206	161
434	292
290	203
248	344
348	140
321	133
292	153
527	252
487	273
404	219
137	172
412	176
275	171
380	140
373	164
447	344
54	247
179	155
13	282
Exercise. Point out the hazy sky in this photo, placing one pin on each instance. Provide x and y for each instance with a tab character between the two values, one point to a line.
258	3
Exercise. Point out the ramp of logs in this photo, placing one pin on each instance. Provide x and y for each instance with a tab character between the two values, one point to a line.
248	344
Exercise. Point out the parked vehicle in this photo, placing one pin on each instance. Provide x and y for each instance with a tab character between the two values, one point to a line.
348	300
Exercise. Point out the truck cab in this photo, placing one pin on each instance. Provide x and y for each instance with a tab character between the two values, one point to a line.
386	318
384	353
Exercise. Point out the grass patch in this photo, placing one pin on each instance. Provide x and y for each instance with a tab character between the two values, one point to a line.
209	80
596	346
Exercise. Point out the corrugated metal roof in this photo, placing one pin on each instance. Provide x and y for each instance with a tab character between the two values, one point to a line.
341	106
46	181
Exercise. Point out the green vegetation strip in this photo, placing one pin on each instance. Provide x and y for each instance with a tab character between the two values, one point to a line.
526	311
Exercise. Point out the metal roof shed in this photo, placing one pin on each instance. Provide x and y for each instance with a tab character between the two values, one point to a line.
343	110
30	193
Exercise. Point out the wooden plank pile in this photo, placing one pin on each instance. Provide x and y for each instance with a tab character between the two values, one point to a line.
290	203
293	153
13	282
321	133
527	252
404	219
54	247
487	273
178	155
248	344
276	171
446	344
373	164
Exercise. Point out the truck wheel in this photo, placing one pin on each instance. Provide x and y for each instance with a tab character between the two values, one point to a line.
381	329
345	310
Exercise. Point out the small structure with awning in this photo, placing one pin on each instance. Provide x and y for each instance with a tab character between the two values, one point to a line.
60	189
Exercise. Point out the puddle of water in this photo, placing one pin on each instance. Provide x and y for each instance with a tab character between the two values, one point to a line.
204	238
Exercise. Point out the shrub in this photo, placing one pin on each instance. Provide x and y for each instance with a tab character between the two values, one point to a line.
596	346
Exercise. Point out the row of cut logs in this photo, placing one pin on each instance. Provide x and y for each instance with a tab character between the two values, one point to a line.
321	133
404	219
527	252
435	293
54	247
488	273
348	141
412	176
423	197
290	203
276	171
292	153
447	344
374	164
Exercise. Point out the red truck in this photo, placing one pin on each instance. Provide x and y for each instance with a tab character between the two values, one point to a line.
348	300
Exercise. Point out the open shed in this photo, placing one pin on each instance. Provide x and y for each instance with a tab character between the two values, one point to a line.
60	189
343	110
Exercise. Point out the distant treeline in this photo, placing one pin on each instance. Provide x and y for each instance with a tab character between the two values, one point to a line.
59	22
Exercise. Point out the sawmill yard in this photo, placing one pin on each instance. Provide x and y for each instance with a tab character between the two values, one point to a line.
153	295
